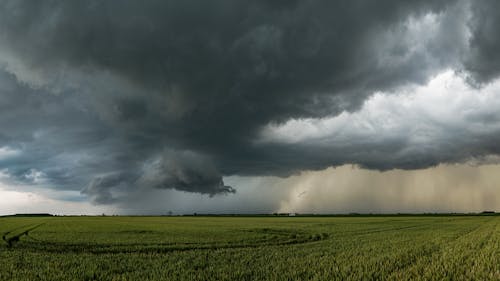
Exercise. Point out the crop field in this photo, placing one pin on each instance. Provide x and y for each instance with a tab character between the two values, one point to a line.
250	248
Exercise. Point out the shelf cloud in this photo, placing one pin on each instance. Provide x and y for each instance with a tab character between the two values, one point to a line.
114	97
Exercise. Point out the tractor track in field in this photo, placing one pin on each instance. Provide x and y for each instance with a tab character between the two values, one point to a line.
46	246
15	238
436	250
389	229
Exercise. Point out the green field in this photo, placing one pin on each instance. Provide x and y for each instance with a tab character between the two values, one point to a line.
250	248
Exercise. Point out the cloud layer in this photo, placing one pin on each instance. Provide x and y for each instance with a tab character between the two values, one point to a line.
445	121
112	97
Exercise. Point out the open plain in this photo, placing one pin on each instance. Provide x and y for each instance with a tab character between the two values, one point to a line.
250	248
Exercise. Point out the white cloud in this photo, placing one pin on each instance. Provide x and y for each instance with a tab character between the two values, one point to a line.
7	152
443	111
13	201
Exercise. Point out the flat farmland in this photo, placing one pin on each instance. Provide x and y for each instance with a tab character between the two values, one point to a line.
250	248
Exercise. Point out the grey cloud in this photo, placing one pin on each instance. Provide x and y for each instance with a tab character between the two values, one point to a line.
483	60
184	171
94	89
99	189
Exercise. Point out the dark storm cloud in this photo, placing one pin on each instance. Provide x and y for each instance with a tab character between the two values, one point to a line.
106	96
185	171
483	61
98	190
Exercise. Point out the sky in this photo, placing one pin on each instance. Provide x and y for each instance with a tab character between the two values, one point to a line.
151	107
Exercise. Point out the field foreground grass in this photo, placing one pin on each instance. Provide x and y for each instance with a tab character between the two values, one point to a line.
250	248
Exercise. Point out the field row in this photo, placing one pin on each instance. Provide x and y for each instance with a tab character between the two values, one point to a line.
211	248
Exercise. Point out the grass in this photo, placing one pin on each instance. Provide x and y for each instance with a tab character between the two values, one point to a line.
250	248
